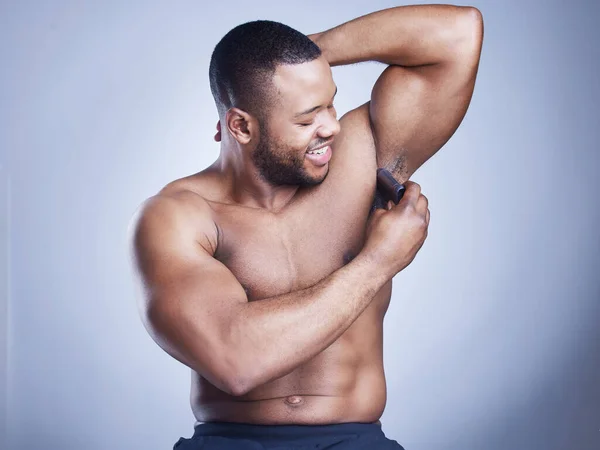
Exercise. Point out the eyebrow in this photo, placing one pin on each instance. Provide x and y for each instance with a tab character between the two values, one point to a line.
308	111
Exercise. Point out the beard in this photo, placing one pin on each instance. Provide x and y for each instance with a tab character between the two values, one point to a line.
280	164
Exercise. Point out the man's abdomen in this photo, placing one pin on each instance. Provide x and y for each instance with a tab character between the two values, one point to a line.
364	403
344	383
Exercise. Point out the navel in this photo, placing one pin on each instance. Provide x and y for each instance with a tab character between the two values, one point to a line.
294	400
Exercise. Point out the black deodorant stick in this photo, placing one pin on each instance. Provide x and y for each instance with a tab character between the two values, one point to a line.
389	187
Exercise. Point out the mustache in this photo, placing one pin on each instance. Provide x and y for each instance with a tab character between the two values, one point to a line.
320	143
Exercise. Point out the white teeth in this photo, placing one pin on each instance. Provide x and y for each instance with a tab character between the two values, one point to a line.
318	152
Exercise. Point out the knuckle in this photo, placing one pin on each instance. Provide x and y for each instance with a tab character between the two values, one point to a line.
412	186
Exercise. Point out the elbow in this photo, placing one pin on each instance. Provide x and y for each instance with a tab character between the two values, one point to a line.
236	381
470	26
237	369
239	362
224	373
201	352
238	388
230	381
464	39
239	382
473	13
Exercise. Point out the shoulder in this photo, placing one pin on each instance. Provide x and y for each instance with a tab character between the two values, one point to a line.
175	213
355	126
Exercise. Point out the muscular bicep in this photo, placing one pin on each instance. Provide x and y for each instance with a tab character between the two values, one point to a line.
188	298
415	110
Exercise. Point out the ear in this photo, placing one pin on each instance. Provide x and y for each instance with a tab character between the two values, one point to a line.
241	125
218	135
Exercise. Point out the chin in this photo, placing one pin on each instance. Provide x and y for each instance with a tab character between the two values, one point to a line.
317	179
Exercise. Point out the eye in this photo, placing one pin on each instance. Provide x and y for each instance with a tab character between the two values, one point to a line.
305	124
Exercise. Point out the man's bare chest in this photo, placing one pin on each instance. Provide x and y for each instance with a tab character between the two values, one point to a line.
276	254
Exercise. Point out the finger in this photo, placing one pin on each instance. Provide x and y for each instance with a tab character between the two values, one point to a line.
375	214
422	203
427	217
412	185
411	192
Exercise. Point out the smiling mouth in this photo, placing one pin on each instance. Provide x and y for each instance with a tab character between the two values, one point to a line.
320	150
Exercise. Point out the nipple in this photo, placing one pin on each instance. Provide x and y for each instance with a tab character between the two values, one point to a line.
293	400
348	256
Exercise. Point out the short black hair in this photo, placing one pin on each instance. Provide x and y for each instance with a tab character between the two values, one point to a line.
244	61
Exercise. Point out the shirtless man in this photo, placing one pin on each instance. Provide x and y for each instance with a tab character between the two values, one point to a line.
265	273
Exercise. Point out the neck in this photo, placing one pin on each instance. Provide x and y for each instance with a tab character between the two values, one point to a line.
245	184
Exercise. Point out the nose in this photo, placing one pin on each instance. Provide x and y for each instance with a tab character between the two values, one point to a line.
329	128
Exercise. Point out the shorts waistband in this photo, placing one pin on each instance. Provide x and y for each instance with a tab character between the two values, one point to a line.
249	431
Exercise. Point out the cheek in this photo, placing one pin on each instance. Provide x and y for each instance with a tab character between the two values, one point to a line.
299	139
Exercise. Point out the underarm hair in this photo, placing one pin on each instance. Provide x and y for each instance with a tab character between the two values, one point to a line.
398	167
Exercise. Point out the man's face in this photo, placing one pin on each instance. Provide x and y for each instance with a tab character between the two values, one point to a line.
294	146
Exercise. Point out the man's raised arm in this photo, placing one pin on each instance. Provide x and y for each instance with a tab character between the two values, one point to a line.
420	99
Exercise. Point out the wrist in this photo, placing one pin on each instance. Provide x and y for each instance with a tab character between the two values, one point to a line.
372	269
324	41
314	37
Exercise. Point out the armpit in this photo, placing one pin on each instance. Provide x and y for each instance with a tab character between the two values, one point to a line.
398	167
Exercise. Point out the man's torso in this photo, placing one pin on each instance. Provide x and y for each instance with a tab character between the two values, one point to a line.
271	254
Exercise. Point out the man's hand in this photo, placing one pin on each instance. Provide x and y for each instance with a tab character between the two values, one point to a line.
395	235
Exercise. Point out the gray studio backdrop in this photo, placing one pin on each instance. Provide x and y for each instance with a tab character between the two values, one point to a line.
491	339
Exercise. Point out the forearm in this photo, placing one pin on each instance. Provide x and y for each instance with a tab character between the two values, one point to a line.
272	337
405	35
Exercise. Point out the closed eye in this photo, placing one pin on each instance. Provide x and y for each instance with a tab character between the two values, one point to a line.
330	106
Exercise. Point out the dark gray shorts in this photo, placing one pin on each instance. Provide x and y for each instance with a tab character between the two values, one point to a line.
238	436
